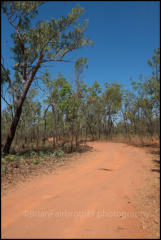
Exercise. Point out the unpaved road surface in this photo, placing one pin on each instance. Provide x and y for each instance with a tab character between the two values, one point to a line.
98	195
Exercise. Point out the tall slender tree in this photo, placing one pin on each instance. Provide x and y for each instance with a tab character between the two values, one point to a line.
34	45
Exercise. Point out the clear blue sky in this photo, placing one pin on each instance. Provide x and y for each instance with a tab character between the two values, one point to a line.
124	35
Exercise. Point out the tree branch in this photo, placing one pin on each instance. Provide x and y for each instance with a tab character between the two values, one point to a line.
6	101
8	78
54	60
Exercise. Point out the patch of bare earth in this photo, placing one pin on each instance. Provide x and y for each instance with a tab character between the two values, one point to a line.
111	191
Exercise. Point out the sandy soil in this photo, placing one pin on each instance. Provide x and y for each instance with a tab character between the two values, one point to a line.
111	191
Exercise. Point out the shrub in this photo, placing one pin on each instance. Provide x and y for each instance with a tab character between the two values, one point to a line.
59	154
3	169
36	161
8	158
32	154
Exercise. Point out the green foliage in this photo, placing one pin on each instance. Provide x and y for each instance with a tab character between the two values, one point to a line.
142	106
8	158
59	154
36	161
32	154
3	169
5	160
113	97
80	64
50	36
5	73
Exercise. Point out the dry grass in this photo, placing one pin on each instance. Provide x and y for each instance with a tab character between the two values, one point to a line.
137	140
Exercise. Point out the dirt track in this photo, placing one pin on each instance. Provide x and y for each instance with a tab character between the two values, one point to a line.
98	195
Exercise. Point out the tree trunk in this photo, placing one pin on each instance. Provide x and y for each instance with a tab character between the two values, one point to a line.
18	111
12	130
72	131
125	125
91	131
45	112
76	140
55	132
99	133
86	134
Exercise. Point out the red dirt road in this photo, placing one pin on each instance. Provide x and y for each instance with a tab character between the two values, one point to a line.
95	196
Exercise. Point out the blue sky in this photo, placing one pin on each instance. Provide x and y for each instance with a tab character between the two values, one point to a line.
124	35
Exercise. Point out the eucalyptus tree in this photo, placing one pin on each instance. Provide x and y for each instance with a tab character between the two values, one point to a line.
93	109
153	86
79	89
112	98
148	92
142	109
66	107
141	106
28	118
58	91
34	45
79	66
69	105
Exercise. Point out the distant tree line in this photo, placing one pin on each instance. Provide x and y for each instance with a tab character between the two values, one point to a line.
71	115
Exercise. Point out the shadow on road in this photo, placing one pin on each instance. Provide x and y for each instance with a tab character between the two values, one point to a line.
157	165
155	170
